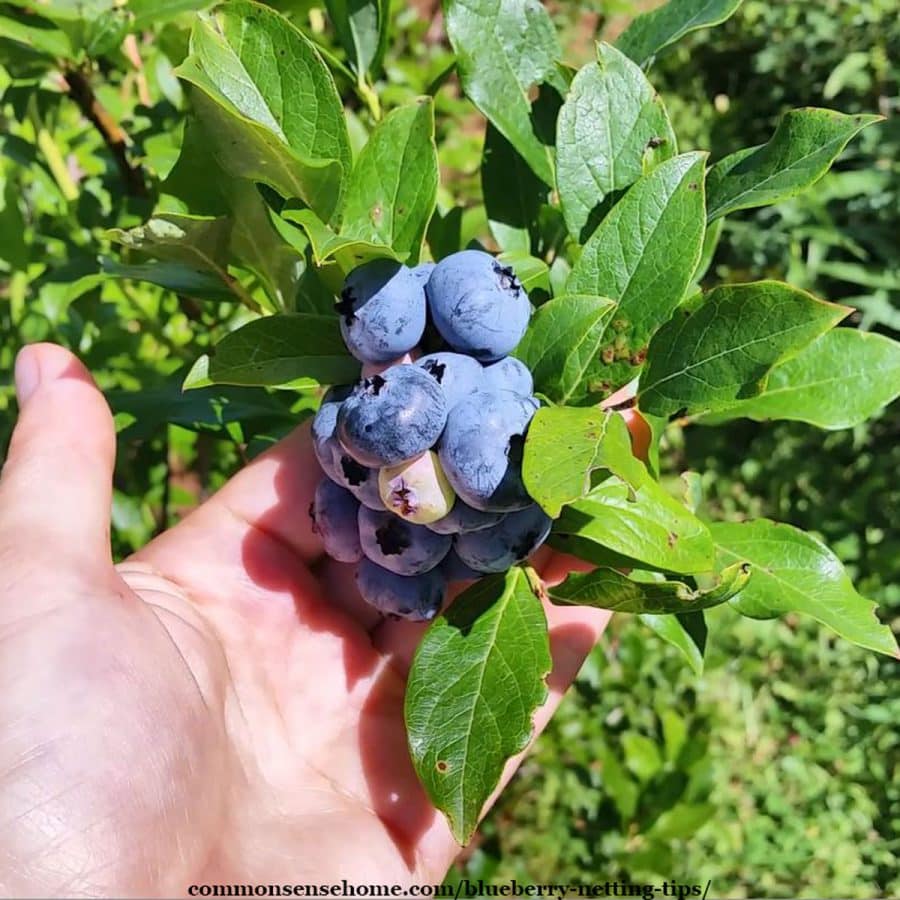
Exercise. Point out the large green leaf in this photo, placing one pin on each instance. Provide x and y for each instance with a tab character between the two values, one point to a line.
512	193
705	360
274	112
565	445
643	255
838	381
362	28
657	29
612	128
198	181
644	524
392	191
805	144
503	48
794	572
562	345
278	350
609	589
477	678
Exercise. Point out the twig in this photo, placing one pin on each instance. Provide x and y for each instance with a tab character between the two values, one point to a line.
116	139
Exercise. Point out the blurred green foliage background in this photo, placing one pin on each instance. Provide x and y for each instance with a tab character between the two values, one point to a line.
774	774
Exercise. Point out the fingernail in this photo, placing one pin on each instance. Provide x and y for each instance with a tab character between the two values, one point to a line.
28	375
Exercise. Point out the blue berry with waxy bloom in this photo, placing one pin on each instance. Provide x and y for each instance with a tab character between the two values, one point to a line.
478	304
464	518
423	271
498	548
400	546
325	442
417	597
481	449
382	310
393	417
454	569
360	480
335	515
457	374
508	374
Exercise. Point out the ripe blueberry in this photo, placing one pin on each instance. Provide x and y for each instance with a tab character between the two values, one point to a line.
508	374
481	449
463	518
510	541
360	480
393	417
457	374
478	304
400	546
335	513
454	569
382	310
417	598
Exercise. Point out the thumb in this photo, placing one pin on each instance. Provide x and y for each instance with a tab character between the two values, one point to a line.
56	485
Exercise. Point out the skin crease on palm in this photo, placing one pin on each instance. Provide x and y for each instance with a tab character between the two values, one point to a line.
219	708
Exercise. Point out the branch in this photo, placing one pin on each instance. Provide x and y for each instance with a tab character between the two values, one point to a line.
116	139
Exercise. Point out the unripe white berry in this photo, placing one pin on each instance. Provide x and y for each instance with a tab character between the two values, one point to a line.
417	491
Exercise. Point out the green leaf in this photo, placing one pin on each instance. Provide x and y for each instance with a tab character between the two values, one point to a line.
257	245
37	34
278	350
841	379
198	181
148	13
652	31
644	524
393	187
612	128
174	276
794	572
202	410
643	255
273	109
609	589
705	360
673	631
201	242
362	28
641	755
477	678
562	344
503	48
512	193
335	254
682	821
565	445
198	243
618	784
805	144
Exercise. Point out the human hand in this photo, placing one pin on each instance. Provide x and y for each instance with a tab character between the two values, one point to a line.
219	708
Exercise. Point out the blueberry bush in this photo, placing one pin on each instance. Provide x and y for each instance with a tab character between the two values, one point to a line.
263	191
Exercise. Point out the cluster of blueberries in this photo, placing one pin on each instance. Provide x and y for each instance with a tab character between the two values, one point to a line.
424	459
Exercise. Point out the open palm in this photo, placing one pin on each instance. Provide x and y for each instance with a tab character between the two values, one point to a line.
221	707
